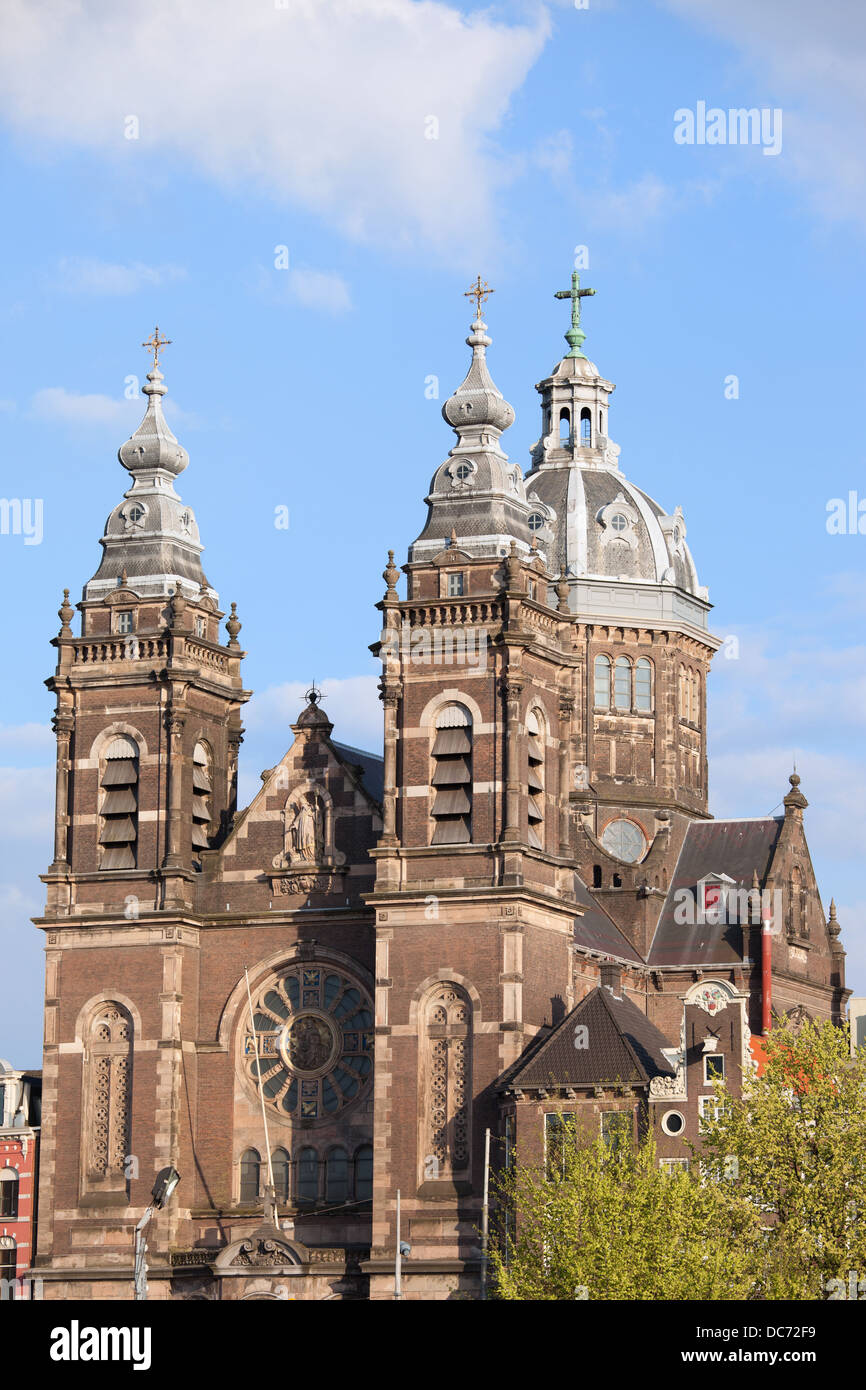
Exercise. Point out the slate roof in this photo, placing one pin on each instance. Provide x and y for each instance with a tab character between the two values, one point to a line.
623	1046
735	848
371	764
596	931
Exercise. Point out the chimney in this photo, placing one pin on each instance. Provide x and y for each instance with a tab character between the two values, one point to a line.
611	977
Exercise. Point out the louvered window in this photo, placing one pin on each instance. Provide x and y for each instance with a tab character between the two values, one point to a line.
202	788
535	779
451	778
119	808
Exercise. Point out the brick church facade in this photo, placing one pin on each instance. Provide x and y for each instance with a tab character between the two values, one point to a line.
521	908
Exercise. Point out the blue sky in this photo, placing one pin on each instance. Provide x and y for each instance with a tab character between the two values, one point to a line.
307	126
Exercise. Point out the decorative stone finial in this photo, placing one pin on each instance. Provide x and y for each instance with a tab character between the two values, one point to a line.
177	606
513	566
124	578
391	574
66	613
832	924
795	802
452	540
233	626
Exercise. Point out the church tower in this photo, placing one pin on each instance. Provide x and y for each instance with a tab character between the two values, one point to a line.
148	727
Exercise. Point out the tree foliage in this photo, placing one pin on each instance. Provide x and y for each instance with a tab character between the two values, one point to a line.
773	1205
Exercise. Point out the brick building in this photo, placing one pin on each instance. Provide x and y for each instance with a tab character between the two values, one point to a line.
20	1097
428	933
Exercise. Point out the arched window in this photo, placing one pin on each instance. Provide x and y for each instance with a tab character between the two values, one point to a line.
695	700
202	788
586	427
796	915
8	1192
564	426
108	1102
600	423
8	1260
602	682
280	1165
447	1082
251	1177
308	1176
683	694
622	683
535	779
643	685
337	1176
451	777
119	805
596	875
364	1173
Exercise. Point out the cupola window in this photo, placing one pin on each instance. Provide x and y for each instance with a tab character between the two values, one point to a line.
619	523
463	471
564	426
585	428
451	777
602	682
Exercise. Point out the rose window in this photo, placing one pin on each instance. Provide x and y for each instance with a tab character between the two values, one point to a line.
314	1039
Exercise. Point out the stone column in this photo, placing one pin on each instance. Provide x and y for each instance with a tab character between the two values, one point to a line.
174	857
390	696
512	689
566	710
63	726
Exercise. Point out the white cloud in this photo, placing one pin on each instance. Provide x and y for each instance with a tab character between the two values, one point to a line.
84	275
56	403
76	408
329	103
27	738
811	61
313	289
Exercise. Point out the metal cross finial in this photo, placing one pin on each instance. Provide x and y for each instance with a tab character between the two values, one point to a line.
479	292
575	335
154	343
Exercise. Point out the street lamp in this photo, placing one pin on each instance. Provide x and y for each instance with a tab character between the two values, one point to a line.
167	1180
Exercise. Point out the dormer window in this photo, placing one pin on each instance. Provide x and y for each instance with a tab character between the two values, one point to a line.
124	620
619	523
536	521
136	514
456	584
463	471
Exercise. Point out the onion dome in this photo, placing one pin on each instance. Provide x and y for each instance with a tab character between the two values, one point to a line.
477	494
151	541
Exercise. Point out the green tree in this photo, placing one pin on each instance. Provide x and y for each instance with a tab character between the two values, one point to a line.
614	1225
794	1145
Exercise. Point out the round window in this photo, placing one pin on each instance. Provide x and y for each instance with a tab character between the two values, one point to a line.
536	521
136	514
673	1122
624	840
463	471
619	523
313	1042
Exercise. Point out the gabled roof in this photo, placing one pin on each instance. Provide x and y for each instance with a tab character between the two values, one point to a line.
371	764
735	848
622	1046
597	931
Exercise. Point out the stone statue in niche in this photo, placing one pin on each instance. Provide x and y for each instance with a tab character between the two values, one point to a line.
305	833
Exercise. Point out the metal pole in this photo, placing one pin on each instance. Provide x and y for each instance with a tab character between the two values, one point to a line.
139	1275
398	1290
485	1215
271	1190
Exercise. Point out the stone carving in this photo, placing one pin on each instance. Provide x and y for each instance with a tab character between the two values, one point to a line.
305	833
301	883
711	999
449	1043
262	1252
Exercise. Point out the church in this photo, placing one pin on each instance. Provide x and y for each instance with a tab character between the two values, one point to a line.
317	1006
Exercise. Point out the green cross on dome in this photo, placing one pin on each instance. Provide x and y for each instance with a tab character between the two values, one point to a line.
575	335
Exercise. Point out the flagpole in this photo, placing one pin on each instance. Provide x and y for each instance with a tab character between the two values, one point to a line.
271	1194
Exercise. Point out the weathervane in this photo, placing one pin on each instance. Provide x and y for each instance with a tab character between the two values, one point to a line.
575	335
479	292
153	344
